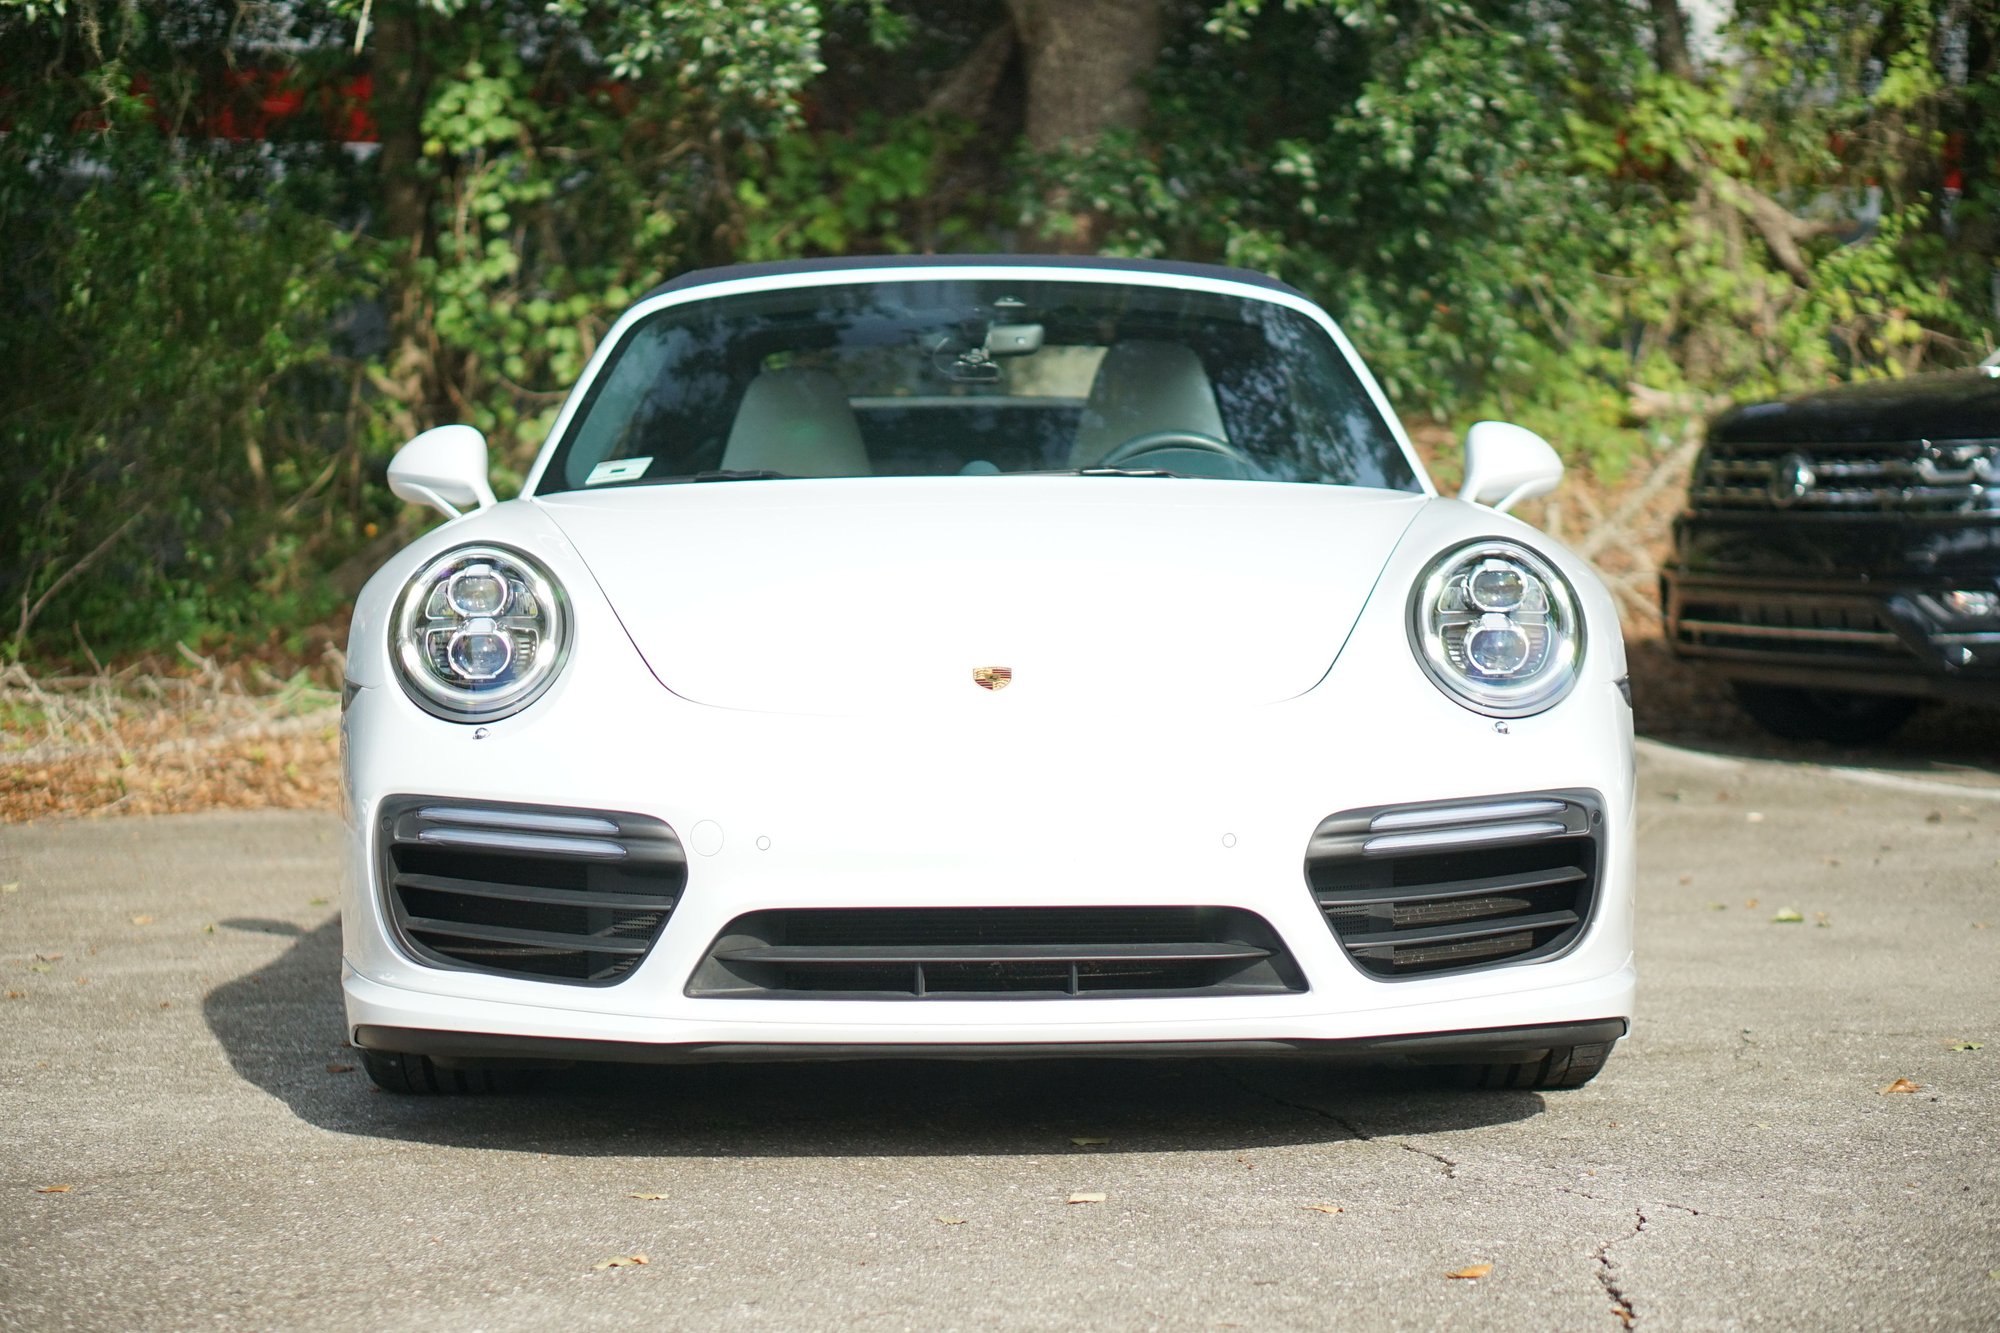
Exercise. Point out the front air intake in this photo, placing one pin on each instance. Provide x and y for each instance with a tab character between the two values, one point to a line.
1002	953
542	892
1417	890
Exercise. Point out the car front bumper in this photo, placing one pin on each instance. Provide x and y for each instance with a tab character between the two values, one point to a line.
989	809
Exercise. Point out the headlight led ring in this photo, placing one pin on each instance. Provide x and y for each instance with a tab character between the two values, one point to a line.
1496	626
479	633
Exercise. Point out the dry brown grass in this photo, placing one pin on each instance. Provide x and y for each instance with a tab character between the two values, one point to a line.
150	739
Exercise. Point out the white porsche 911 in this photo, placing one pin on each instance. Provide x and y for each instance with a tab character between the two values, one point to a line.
984	657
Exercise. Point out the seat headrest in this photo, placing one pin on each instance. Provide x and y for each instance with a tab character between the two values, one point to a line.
798	422
1142	387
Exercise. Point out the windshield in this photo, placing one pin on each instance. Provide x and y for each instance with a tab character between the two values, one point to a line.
977	378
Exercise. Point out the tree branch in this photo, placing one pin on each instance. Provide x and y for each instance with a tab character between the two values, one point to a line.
28	613
1781	229
967	91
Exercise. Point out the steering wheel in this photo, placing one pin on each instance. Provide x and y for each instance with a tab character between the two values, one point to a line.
1155	440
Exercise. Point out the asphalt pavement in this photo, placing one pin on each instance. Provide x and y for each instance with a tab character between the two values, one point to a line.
185	1143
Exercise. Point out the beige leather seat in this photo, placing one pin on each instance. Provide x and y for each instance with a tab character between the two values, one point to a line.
1142	387
796	422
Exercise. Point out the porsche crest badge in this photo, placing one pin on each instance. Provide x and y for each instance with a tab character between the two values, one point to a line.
992	678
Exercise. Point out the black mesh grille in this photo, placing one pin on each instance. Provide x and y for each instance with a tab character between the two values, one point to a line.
543	892
874	953
1416	890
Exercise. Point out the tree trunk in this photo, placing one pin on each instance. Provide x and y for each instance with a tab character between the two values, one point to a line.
1085	60
401	73
401	85
1670	42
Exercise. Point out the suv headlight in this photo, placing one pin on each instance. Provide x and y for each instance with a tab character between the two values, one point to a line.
1497	627
479	633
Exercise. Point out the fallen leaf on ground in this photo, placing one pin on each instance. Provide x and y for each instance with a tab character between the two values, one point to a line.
48	958
316	902
1822	919
1082	1196
1755	817
13	886
166	1004
38	967
1934	817
1749	904
340	1069
647	1196
1471	1271
1961	1046
142	920
52	1189
1088	1140
1322	1207
17	995
1718	907
1903	1085
1787	916
620	1261
952	1221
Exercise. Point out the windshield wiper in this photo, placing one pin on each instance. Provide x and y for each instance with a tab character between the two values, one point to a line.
727	474
1099	472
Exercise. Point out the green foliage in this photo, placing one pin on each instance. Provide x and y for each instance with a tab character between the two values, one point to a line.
858	192
218	342
192	410
1513	214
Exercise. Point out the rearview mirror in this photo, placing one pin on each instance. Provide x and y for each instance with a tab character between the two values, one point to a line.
445	468
1506	464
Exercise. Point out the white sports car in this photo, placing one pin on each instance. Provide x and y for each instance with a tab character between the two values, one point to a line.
984	657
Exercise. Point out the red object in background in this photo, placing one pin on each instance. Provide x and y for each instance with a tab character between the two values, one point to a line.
254	102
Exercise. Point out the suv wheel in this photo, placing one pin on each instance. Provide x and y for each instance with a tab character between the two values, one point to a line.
1824	715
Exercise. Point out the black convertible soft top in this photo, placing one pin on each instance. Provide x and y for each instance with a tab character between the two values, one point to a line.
702	277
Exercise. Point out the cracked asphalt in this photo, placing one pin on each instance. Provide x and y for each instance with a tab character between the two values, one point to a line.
171	1062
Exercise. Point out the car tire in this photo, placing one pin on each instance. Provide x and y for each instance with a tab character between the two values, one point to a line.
1563	1067
1824	715
420	1076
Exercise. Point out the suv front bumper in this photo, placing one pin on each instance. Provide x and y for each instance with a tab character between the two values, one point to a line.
1861	634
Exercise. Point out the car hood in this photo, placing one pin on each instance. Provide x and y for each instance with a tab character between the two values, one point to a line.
857	595
1948	406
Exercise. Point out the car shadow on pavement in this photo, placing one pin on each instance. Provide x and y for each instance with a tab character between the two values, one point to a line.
282	1030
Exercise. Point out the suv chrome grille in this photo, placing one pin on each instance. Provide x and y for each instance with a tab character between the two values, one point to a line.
1415	890
1015	953
541	892
1913	476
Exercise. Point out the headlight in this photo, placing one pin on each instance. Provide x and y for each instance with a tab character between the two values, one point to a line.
1497	627
479	633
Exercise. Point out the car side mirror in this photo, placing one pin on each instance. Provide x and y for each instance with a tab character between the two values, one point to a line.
445	468
1506	464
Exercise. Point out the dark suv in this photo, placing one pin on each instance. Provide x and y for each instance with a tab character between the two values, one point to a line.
1839	557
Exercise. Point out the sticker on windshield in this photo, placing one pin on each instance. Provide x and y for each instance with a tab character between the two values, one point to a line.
618	469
